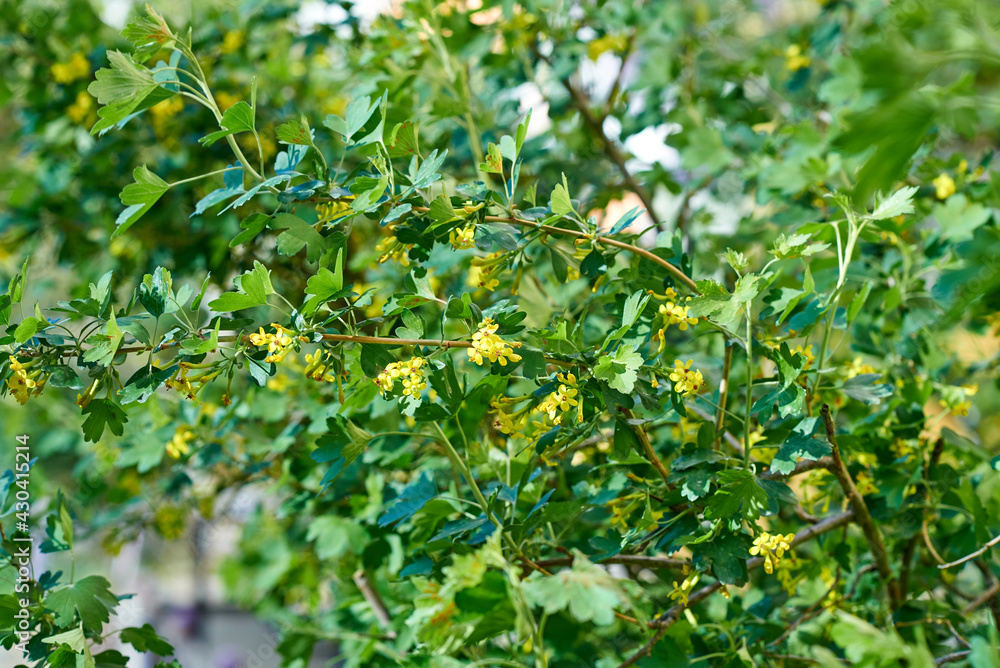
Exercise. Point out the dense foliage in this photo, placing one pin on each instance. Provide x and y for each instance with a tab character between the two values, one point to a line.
520	384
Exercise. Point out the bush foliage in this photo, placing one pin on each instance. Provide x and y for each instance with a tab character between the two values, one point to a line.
547	334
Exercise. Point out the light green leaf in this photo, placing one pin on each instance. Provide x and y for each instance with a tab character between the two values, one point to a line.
139	197
621	370
90	597
238	118
561	203
588	592
901	202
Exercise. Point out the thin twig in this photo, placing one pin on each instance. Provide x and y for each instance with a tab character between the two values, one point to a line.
671	616
969	557
864	518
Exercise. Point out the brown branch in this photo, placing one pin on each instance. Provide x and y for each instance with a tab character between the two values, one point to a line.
970	557
952	658
647	447
638	560
864	518
671	616
610	149
375	601
804	466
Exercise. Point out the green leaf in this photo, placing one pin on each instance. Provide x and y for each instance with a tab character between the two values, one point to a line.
28	328
102	413
589	593
74	639
139	197
634	306
561	203
796	245
252	287
155	290
619	370
148	34
355	117
410	501
90	597
901	202
739	492
800	444
104	346
625	440
494	160
124	89
295	132
865	387
238	118
335	536
716	303
403	140
341	446
145	639
298	234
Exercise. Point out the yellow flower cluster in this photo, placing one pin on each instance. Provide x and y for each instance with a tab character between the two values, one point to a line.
563	399
956	398
185	384
278	344
462	238
866	484
180	444
80	110
944	186
858	367
409	373
22	384
392	248
507	423
772	548
682	590
686	381
483	269
331	211
675	314
318	367
806	352
77	67
487	345
794	60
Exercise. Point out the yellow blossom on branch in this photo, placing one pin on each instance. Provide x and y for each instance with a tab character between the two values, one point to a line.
686	381
409	374
944	186
179	445
487	345
278	344
772	548
462	238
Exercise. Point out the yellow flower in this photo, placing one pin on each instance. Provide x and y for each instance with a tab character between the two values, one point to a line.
866	484
563	399
179	445
462	238
685	381
329	212
945	186
858	367
22	383
318	367
794	60
392	248
79	110
806	352
676	315
486	344
772	548
278	344
232	41
77	67
410	375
